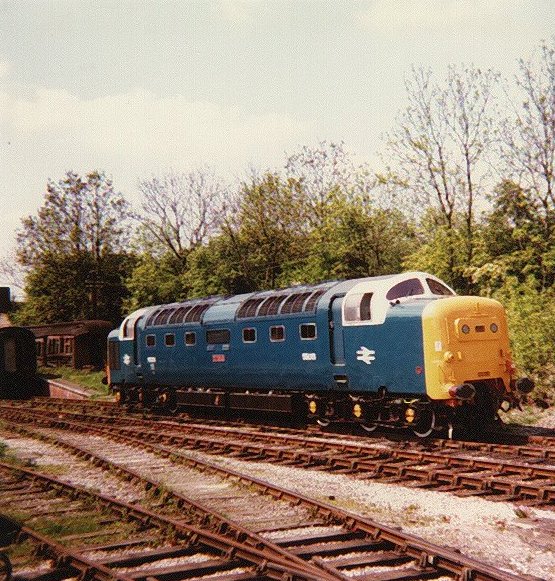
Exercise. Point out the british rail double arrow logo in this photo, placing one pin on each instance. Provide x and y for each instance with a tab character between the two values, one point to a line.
366	355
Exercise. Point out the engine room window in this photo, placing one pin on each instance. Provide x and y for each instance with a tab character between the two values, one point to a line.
218	337
277	333
151	340
249	335
190	339
169	340
357	307
307	331
437	288
407	288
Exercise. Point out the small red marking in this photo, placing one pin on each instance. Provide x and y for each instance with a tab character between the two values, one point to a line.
419	370
218	358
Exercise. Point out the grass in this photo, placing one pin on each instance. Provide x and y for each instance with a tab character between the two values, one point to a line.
529	416
69	525
89	380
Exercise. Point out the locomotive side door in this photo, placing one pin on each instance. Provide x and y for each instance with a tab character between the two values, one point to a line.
337	346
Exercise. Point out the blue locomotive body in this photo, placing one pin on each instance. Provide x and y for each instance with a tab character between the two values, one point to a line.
351	350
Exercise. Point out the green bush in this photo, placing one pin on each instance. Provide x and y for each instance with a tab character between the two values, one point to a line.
531	314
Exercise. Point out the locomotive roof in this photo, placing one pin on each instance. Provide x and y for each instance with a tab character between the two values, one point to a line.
290	300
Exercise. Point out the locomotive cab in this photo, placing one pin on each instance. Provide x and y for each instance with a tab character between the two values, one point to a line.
467	357
124	366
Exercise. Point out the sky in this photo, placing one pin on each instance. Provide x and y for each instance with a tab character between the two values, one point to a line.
136	88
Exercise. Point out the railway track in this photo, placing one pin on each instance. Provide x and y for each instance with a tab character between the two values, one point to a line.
122	541
340	544
531	440
519	473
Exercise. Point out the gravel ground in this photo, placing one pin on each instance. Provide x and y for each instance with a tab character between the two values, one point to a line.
546	418
492	532
502	534
533	416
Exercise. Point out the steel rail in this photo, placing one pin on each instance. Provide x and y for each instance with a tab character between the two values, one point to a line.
425	553
269	565
532	483
543	446
205	517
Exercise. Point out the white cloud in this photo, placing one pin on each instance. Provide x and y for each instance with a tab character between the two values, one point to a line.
5	67
387	15
144	126
237	12
130	136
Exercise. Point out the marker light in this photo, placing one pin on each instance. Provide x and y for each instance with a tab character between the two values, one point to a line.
493	328
465	329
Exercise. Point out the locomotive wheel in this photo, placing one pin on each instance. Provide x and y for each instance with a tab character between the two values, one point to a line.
371	421
425	421
171	401
323	422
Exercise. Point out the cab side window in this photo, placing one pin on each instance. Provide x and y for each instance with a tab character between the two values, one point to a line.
358	307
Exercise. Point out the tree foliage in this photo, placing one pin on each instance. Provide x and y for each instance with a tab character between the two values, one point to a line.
181	210
439	148
74	251
531	313
79	215
438	206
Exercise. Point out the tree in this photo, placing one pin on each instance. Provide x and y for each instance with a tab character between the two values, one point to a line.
514	243
181	211
528	144
75	287
267	233
154	280
439	148
78	215
74	251
531	314
357	240
325	172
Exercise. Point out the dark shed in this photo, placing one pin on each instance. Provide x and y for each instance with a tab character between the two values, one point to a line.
18	365
5	300
76	344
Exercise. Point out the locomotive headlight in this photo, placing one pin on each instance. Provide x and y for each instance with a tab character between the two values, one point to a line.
357	410
312	407
493	328
465	329
409	415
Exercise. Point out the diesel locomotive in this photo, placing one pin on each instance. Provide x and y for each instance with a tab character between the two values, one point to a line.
401	350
